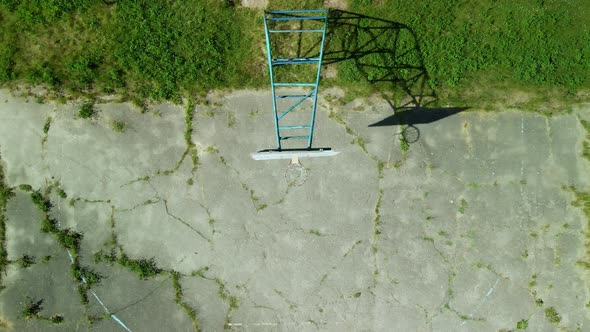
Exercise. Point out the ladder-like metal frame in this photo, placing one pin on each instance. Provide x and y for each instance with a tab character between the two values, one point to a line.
320	15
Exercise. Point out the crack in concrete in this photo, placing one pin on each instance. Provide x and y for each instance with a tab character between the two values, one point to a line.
484	300
356	139
141	299
184	222
45	136
147	202
69	239
256	201
376	235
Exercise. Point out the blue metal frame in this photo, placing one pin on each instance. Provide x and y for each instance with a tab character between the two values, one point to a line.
294	15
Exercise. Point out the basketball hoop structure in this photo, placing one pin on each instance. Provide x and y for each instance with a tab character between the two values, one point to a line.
306	25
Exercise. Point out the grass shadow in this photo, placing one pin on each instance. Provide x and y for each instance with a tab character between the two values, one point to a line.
381	52
387	54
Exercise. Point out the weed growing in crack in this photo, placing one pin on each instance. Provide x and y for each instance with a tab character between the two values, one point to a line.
92	319
46	259
211	149
31	308
582	201
188	120
26	261
586	143
61	193
119	126
552	315
231	120
178	299
101	256
87	110
56	319
69	239
314	232
86	275
462	206
522	324
377	220
380	167
40	201
6	193
46	126
83	293
25	187
144	268
49	225
403	144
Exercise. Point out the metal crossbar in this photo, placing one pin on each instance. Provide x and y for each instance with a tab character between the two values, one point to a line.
271	17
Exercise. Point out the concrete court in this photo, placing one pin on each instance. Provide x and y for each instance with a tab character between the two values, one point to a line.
470	229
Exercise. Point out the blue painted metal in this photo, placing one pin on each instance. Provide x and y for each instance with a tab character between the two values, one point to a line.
295	84
272	18
292	31
295	11
292	107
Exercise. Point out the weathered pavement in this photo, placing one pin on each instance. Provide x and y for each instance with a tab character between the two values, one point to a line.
469	227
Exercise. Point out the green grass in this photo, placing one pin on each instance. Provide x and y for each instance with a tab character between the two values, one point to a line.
162	50
461	52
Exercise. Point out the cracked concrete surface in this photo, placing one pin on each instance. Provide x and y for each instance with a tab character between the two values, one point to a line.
469	229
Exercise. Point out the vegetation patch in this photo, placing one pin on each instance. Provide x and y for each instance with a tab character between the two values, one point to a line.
119	126
582	201
32	308
26	261
6	193
164	49
552	315
87	110
403	143
47	125
462	206
178	299
522	324
144	268
586	142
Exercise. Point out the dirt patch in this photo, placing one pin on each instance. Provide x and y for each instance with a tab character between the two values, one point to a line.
255	3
